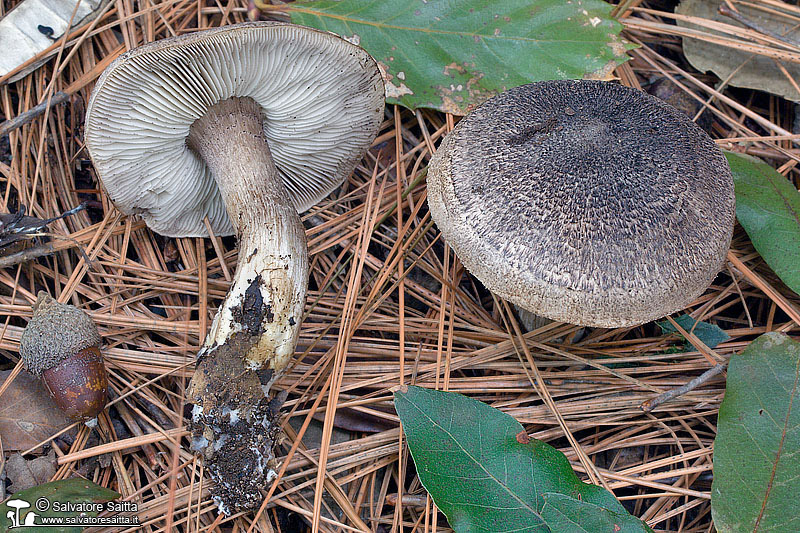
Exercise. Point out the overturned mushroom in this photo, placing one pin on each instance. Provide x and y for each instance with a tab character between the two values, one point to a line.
585	202
245	125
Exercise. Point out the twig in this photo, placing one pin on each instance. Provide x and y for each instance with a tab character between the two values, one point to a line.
41	250
27	254
651	404
24	118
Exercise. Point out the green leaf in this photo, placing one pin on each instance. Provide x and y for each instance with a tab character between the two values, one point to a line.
481	468
454	55
710	334
563	514
768	208
42	499
756	466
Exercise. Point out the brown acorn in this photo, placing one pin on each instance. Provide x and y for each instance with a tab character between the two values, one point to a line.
61	345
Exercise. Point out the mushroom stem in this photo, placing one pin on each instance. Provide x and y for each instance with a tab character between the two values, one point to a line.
253	336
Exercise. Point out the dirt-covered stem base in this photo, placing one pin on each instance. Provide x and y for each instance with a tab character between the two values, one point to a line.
253	336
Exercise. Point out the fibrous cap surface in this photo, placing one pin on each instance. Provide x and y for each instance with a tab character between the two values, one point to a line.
585	202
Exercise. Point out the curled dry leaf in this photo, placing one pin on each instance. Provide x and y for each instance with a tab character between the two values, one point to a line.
27	413
26	473
749	70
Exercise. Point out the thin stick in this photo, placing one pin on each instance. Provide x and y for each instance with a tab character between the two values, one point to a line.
651	404
27	117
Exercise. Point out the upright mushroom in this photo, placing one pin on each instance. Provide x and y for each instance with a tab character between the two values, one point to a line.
246	125
13	516
584	201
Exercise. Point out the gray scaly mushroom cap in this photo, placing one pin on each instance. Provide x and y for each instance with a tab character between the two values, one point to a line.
585	202
55	332
321	107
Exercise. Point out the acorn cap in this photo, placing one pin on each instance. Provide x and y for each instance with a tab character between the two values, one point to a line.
585	202
321	100
55	332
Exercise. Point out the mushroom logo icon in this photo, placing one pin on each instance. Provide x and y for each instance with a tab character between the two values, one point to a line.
13	516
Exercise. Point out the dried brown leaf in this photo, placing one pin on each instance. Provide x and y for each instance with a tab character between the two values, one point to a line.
27	413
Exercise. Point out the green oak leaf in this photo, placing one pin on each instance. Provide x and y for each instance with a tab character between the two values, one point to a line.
710	334
74	490
768	208
756	465
454	55
481	468
563	514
